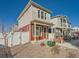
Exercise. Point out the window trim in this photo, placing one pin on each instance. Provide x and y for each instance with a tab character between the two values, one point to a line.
42	15
39	15
45	16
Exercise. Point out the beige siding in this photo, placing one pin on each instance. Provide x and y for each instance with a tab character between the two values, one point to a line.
56	22
35	13
26	18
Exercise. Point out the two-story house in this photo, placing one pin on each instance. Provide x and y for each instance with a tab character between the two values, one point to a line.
61	25
35	20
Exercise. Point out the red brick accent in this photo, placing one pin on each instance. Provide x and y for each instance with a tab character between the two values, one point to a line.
38	38
25	28
30	32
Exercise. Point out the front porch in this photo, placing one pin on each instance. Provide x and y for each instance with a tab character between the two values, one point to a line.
39	30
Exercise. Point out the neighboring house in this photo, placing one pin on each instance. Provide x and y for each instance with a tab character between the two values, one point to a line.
75	31
61	25
35	20
1	39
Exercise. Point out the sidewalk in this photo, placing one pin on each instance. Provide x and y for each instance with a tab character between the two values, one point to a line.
67	45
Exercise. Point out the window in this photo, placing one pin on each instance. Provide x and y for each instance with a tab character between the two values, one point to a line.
49	30
45	16
61	21
53	30
38	13
42	15
64	20
33	30
38	31
44	29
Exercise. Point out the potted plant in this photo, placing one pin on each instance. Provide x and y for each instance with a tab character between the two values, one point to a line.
50	43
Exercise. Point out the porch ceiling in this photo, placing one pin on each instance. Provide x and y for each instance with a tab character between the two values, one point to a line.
42	22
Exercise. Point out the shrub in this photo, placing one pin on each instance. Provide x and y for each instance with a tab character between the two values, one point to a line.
50	43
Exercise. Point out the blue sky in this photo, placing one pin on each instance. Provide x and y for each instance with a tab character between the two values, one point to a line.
10	10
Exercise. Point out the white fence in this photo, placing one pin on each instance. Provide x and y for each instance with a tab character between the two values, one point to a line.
15	38
51	36
18	37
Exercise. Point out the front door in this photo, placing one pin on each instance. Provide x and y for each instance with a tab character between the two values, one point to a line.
38	32
44	32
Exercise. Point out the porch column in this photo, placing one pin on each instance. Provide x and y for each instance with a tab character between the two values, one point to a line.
46	33
34	31
30	30
43	32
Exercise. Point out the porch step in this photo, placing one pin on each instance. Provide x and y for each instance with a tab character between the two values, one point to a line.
39	41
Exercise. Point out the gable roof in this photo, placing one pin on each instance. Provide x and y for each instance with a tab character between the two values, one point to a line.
34	4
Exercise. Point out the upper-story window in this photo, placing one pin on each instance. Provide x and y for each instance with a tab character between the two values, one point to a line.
42	15
64	20
61	21
38	13
45	16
